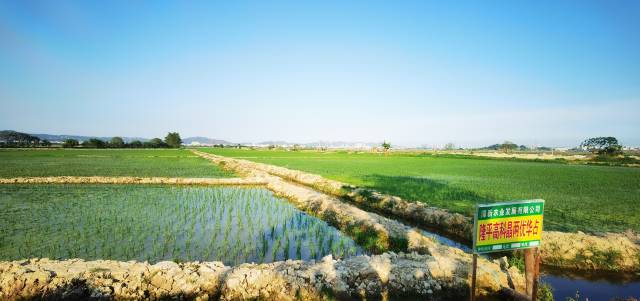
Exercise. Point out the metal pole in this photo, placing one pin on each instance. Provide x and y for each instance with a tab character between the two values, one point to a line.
473	277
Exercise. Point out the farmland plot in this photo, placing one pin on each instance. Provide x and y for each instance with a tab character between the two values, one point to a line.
105	162
576	194
156	223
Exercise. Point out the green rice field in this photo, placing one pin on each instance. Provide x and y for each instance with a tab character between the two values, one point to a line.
106	162
156	223
579	197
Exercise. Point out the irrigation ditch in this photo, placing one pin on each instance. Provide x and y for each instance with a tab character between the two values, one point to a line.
595	262
407	262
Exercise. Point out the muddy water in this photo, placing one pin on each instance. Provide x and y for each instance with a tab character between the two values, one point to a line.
594	286
585	285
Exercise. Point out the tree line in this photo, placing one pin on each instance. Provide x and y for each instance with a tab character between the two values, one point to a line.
172	140
17	139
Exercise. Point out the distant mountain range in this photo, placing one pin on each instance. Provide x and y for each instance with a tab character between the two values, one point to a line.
343	144
200	140
83	138
327	144
187	141
204	141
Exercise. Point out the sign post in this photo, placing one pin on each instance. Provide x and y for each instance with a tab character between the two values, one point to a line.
509	226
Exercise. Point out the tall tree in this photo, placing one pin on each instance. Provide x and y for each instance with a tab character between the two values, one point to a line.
508	146
173	140
386	146
116	142
602	146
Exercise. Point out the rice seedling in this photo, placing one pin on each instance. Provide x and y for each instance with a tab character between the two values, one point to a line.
156	223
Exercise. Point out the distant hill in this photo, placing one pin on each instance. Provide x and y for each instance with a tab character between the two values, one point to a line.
275	143
327	144
342	144
204	141
83	138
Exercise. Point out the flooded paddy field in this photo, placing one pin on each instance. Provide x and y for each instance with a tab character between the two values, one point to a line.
156	223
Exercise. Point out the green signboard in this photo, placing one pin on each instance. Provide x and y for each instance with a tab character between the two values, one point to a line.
507	226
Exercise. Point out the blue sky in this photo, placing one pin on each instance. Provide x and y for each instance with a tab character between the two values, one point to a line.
411	72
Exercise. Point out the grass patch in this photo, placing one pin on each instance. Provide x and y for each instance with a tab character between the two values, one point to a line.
545	292
106	162
516	259
575	194
607	259
368	238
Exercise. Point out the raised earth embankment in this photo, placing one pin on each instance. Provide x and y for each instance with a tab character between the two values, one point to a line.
390	275
131	180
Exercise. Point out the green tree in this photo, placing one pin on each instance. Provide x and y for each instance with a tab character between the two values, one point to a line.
173	140
386	146
70	143
135	144
508	146
116	142
93	143
155	143
608	146
45	143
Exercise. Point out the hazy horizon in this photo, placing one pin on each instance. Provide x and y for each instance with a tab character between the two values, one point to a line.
329	141
409	72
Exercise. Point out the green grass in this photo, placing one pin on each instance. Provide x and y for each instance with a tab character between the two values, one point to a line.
106	162
156	223
579	197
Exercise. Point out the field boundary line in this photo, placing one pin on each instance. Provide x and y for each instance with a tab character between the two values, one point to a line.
132	180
